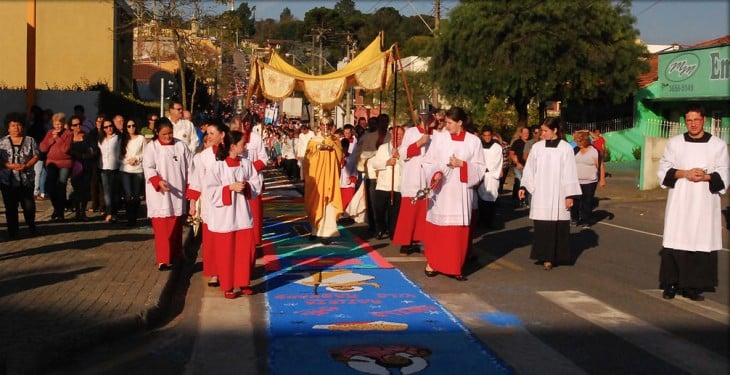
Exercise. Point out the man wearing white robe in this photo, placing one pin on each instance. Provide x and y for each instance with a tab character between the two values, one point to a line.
489	188
695	168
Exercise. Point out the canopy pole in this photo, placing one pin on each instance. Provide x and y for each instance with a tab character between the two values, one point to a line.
395	133
405	85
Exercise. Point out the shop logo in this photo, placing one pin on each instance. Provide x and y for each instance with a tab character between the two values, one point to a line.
682	67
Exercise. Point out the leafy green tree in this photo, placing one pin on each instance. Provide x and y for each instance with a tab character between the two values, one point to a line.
538	50
245	16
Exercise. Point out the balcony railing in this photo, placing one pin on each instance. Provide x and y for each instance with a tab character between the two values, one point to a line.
665	129
605	126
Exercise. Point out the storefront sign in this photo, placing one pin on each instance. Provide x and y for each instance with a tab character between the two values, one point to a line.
695	73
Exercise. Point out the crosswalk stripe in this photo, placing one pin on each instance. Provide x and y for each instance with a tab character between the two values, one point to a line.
709	309
654	340
514	344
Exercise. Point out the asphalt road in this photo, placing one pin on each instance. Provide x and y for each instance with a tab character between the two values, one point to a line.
601	315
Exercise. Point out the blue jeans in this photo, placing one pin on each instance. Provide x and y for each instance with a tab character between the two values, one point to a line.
40	177
110	185
133	185
57	179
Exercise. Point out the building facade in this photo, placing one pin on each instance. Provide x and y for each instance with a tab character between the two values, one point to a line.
66	44
693	76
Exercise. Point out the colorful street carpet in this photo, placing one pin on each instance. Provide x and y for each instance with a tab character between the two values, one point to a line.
343	309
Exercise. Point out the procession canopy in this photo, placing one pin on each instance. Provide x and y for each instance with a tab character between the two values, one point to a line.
371	69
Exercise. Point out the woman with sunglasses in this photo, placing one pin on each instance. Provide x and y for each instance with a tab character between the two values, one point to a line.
109	148
83	152
133	144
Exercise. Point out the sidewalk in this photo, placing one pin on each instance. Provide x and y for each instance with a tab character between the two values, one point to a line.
74	285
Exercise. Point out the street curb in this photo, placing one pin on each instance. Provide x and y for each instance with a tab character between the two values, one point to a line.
39	357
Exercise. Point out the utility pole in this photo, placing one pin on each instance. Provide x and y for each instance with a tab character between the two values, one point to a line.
436	24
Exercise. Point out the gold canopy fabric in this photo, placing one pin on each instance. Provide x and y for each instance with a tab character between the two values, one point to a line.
370	70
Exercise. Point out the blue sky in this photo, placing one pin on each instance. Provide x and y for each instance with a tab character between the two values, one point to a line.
685	22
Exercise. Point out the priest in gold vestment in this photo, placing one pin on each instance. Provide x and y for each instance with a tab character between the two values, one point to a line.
322	198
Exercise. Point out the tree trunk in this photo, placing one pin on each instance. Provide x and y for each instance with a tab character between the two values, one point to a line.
521	104
192	96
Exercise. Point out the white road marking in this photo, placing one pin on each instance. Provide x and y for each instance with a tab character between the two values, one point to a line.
641	231
709	309
522	351
693	359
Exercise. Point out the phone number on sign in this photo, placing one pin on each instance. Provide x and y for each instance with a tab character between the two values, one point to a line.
684	87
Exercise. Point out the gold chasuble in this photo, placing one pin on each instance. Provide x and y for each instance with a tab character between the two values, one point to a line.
322	197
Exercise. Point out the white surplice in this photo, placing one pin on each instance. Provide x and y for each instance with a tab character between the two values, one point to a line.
692	219
550	176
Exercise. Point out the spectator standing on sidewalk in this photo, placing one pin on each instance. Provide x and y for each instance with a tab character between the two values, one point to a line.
550	176
37	129
166	164
230	185
18	155
695	168
109	150
56	145
516	154
132	174
591	175
83	150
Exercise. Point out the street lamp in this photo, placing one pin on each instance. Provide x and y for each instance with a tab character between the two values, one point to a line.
294	59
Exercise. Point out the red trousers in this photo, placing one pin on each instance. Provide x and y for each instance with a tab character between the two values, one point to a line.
168	238
235	254
209	266
257	209
347	194
411	222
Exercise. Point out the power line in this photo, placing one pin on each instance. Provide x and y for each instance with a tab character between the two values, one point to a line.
647	8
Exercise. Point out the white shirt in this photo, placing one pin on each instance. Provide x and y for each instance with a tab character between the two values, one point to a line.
135	152
385	177
303	142
110	148
184	130
255	151
551	177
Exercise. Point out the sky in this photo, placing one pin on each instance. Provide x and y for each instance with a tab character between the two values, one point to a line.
686	22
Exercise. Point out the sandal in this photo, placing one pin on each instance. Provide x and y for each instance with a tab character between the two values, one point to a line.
246	290
430	273
213	281
230	294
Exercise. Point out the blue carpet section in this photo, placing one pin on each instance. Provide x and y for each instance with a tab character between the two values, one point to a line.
342	309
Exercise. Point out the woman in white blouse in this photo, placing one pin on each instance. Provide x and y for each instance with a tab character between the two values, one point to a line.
133	144
109	149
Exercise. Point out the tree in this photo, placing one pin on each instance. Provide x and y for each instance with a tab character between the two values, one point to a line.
245	16
538	50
